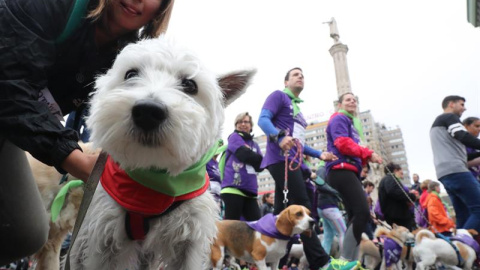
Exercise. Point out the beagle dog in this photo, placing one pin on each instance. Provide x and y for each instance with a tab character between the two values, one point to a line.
260	242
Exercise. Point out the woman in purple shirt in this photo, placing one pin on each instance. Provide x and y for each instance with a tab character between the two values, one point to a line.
472	124
242	162
344	133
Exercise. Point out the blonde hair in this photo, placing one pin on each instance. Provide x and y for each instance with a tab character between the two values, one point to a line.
424	184
154	28
432	185
240	118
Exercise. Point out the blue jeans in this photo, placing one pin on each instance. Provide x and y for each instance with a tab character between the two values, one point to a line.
333	224
464	192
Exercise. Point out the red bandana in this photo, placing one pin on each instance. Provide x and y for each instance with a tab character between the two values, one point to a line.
137	198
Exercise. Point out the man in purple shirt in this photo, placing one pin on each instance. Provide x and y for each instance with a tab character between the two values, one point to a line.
284	125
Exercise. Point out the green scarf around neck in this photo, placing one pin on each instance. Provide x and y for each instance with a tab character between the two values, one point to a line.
357	124
295	100
188	181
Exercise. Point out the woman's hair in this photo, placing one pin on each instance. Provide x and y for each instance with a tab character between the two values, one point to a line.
340	98
265	197
424	184
153	29
432	185
391	167
470	120
241	116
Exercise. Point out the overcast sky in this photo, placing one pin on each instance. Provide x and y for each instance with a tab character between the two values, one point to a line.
404	56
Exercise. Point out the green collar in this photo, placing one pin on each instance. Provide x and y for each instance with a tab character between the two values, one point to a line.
295	100
357	124
188	181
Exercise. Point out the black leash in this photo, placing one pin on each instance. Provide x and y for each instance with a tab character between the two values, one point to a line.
90	187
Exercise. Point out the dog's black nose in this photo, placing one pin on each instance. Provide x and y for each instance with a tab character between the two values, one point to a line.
148	115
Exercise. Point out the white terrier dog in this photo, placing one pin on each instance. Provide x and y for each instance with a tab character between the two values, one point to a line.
156	112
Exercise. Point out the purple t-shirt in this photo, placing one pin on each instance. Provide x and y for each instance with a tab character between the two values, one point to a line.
280	105
238	174
341	126
213	171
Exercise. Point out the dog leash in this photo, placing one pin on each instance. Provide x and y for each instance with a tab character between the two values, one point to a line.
290	166
437	233
411	201
90	187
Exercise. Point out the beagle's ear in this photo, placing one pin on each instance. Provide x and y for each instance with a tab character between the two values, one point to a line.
473	232
394	226
284	223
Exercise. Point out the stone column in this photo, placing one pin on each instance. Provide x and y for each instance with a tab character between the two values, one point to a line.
339	54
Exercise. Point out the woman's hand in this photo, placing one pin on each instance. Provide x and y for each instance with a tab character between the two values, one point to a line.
328	156
375	158
287	143
79	164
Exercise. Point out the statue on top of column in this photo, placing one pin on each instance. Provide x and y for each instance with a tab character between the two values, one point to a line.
334	30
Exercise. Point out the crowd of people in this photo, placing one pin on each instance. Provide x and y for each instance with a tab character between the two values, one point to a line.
34	74
341	197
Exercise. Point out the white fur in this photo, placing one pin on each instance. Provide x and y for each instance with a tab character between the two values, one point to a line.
430	250
193	124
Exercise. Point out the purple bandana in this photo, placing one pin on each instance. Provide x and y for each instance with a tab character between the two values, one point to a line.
392	251
266	226
467	240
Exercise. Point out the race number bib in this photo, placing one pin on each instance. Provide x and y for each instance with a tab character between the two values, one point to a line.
46	96
299	133
250	169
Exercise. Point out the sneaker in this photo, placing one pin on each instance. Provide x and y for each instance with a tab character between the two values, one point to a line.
340	264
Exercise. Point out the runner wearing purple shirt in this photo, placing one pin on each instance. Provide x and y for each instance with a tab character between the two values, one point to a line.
242	162
283	123
344	133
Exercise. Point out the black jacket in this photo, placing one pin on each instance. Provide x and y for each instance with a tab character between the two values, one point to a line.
31	60
393	201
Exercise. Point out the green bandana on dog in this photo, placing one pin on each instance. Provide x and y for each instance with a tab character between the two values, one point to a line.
188	181
59	200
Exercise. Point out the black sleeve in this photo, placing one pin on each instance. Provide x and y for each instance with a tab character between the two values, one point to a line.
472	156
394	191
456	129
27	50
246	155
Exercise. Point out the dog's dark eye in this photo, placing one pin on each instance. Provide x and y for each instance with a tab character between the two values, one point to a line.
131	73
189	86
299	214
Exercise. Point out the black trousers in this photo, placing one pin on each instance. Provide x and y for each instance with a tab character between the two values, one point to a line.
350	188
23	219
297	194
237	206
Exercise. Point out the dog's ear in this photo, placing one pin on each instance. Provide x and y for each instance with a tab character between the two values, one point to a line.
235	84
473	232
284	222
394	226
